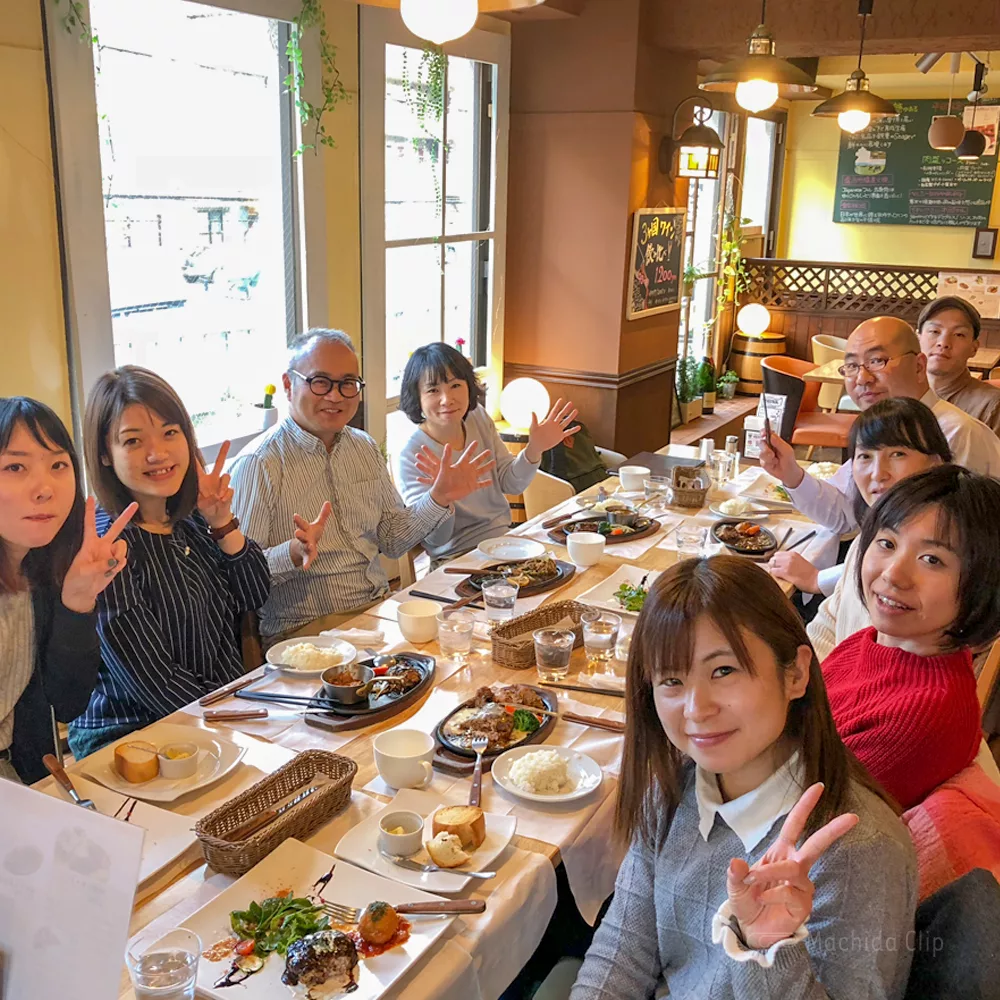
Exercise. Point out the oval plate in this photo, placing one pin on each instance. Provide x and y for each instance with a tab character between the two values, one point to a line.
324	642
548	723
756	554
754	514
473	584
424	664
584	769
559	534
509	548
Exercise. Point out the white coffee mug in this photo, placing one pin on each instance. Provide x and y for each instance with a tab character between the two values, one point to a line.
417	620
403	758
585	547
632	477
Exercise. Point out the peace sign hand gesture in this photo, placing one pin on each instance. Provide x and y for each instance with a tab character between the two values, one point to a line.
98	562
215	495
305	543
774	898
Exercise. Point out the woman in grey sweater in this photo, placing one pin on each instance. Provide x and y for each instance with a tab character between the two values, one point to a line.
441	394
764	861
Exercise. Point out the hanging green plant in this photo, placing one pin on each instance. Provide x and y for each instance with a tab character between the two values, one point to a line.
732	267
74	20
425	97
312	16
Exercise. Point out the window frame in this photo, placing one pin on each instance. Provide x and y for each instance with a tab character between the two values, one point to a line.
80	209
378	28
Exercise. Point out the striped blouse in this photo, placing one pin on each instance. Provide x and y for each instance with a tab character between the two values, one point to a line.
169	622
288	471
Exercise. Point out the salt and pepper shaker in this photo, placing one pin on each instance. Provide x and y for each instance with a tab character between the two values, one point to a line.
707	447
732	443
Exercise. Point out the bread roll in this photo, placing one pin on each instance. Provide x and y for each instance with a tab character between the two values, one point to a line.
467	823
137	761
446	850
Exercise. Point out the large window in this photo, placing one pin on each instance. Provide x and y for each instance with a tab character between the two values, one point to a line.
763	153
433	194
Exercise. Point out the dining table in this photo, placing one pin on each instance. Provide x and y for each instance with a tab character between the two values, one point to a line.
479	955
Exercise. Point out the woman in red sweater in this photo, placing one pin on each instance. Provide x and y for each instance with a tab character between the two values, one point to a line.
903	692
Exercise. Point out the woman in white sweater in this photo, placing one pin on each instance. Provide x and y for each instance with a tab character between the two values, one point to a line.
892	440
443	397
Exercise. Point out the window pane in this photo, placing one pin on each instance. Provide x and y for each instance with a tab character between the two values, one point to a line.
758	167
195	157
414	136
412	306
470	146
466	298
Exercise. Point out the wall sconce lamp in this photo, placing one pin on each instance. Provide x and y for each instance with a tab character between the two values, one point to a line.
699	148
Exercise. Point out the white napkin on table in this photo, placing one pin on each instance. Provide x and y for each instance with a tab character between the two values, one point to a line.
359	637
610	682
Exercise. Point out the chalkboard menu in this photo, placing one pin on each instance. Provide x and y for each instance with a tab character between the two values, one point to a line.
887	174
657	261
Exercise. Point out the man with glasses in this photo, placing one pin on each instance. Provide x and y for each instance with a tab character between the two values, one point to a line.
949	329
313	462
883	361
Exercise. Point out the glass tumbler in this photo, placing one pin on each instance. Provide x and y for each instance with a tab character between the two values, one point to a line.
499	599
691	541
455	633
553	649
600	636
167	968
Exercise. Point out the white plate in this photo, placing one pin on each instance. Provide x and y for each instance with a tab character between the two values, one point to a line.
346	650
754	514
216	758
168	835
602	596
360	846
296	866
507	547
581	767
762	488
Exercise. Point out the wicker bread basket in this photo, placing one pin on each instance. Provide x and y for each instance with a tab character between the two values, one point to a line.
689	487
509	647
238	857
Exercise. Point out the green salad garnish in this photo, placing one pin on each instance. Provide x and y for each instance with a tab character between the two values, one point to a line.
631	597
278	922
525	721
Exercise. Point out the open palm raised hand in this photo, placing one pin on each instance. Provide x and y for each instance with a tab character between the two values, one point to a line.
215	495
453	481
98	562
774	898
547	433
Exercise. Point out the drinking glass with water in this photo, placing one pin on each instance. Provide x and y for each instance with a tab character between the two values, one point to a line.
455	633
166	969
600	636
553	649
499	598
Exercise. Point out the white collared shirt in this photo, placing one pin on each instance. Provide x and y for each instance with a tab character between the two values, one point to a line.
751	815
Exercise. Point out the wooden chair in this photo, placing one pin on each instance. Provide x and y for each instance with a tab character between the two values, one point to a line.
402	569
804	423
993	375
826	348
545	491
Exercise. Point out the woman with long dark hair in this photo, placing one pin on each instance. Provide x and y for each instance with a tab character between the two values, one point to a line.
53	566
756	837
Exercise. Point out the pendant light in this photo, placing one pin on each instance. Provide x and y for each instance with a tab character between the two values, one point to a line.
973	144
759	78
439	21
857	105
947	131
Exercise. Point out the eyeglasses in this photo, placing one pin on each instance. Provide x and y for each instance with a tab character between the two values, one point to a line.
321	385
871	366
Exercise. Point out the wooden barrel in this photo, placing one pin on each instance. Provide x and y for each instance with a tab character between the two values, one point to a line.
745	357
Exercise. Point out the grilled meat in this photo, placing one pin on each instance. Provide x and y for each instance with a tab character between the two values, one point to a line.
318	957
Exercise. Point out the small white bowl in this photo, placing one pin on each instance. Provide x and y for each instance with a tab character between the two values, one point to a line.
633	477
178	767
585	547
418	620
401	844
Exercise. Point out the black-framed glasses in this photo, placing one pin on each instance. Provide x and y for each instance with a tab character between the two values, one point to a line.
321	385
871	366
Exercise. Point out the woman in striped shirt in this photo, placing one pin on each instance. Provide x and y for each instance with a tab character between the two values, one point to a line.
52	567
170	625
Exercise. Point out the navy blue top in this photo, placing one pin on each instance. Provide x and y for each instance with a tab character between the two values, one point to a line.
169	623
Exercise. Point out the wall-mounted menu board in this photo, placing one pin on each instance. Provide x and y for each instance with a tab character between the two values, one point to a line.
889	175
657	261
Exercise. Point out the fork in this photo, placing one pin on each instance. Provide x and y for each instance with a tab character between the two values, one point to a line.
478	744
352	914
416	866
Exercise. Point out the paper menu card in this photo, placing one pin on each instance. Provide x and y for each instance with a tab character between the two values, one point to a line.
67	879
981	290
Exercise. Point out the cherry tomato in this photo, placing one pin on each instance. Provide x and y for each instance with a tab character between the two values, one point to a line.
245	948
380	671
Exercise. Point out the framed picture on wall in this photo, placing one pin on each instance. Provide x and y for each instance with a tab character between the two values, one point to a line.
984	246
657	262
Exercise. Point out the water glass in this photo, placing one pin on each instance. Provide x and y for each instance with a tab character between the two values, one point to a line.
553	648
455	633
600	636
657	489
499	598
167	969
691	541
721	466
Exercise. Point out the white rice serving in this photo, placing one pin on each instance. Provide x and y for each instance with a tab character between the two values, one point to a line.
541	772
308	656
735	507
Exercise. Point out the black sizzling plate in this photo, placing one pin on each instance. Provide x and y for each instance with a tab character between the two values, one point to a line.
425	664
755	554
538	736
473	584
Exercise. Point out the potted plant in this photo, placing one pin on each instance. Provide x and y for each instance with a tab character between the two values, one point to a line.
726	385
687	389
270	410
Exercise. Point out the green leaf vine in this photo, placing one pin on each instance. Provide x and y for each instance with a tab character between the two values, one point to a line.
425	97
73	19
312	16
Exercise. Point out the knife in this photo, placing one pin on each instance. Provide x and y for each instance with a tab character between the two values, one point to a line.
227	689
264	818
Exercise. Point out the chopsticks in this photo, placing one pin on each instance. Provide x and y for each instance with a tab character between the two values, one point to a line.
804	538
319	704
580	687
528	708
608	725
781	544
554	521
451	604
227	689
